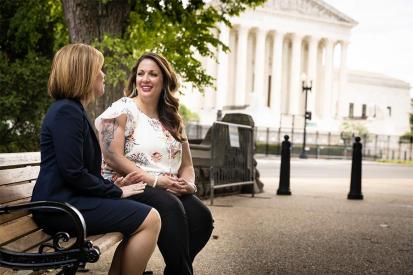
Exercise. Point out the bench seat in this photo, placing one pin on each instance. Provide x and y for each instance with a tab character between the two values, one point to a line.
18	231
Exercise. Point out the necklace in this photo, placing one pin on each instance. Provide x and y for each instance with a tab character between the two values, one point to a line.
153	117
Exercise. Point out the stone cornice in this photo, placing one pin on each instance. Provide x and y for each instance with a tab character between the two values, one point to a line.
376	79
315	10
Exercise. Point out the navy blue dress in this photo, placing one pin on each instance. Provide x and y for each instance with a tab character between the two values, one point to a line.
70	171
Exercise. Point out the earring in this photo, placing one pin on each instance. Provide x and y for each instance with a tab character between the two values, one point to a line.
134	91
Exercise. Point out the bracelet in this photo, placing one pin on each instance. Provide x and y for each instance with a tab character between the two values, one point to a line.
156	181
195	189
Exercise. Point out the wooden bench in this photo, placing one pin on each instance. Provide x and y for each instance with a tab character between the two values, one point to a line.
21	238
201	159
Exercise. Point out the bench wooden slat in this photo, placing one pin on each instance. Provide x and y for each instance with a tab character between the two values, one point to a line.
15	215
10	160
14	192
6	271
12	216
48	249
14	229
201	155
104	242
29	241
19	174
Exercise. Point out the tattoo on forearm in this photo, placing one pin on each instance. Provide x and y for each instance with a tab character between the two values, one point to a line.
108	133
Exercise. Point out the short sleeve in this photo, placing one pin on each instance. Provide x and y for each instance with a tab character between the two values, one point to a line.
122	106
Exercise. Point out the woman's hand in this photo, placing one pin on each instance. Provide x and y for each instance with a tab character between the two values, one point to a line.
131	184
170	183
131	178
133	189
189	187
167	182
182	187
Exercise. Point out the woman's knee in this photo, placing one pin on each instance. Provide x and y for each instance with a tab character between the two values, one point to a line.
172	206
207	218
152	221
199	212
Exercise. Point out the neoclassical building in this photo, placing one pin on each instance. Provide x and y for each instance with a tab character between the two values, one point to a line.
277	46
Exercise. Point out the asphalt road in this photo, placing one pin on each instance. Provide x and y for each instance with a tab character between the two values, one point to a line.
321	168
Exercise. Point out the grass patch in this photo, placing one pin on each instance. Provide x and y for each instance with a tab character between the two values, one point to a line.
397	161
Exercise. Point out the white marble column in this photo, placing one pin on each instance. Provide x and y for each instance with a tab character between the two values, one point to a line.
222	71
312	71
328	109
259	76
342	77
295	87
276	71
241	66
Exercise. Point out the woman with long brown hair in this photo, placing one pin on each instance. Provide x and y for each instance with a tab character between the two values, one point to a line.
144	132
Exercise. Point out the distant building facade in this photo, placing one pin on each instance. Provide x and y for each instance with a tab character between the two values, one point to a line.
275	47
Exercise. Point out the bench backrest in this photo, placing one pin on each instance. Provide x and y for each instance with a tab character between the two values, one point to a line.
18	231
18	173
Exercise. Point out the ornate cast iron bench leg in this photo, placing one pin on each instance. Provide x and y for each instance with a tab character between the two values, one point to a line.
68	258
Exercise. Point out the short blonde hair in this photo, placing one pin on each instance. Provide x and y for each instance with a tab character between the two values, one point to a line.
74	70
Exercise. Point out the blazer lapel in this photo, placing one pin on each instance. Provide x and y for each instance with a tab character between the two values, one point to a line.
92	132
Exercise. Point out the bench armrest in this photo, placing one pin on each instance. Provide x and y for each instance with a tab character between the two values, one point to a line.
82	251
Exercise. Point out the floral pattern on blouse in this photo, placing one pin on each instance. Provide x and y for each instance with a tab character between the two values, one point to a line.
147	142
156	156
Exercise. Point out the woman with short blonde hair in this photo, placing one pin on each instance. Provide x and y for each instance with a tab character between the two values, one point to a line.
73	77
70	166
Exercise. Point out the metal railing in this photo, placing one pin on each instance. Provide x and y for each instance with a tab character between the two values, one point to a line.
232	152
321	144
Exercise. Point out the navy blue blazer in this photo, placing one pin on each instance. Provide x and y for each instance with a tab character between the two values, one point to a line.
70	169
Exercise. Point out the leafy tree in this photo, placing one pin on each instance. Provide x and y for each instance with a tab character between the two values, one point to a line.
30	31
182	32
408	137
23	101
187	114
352	129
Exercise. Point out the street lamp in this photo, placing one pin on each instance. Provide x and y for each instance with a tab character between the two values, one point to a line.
306	86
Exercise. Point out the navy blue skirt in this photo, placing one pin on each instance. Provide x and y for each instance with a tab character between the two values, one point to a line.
112	215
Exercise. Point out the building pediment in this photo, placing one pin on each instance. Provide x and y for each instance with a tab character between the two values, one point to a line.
316	9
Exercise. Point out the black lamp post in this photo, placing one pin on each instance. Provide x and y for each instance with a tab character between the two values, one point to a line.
307	115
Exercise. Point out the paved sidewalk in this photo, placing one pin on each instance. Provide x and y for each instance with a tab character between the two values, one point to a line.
314	231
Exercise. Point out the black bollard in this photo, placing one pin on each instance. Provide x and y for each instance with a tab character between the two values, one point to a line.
355	184
284	187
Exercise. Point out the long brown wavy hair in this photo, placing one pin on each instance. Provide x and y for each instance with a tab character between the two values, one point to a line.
168	105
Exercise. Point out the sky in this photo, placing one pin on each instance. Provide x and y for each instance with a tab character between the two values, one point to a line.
382	42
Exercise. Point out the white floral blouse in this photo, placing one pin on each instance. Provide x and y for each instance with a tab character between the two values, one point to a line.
147	142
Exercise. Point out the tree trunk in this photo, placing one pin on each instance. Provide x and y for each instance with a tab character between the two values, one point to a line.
89	20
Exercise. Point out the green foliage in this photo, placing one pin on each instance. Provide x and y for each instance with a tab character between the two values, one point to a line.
187	114
30	32
352	129
34	26
183	33
23	102
411	123
271	149
408	137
